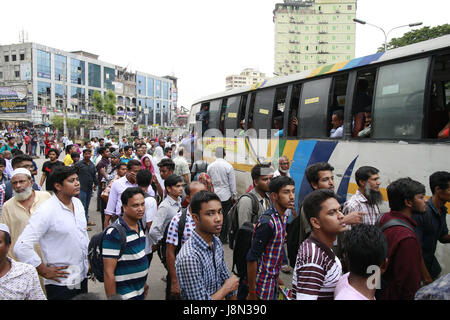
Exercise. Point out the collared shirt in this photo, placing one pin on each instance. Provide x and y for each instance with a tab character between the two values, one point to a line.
267	248
151	208
62	237
16	217
21	282
404	255
132	267
278	173
201	269
166	211
317	272
223	179
245	207
189	227
359	202
337	133
114	203
431	227
2	198
181	167
87	175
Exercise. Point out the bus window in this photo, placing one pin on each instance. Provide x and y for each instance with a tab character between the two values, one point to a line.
263	109
278	110
438	104
293	111
314	109
223	110
215	108
336	106
399	100
201	115
251	109
241	113
362	103
231	114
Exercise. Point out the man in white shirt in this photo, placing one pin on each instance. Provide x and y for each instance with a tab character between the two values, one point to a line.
224	182
182	166
283	167
59	226
337	121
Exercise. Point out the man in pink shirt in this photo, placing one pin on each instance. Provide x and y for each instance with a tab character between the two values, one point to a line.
367	249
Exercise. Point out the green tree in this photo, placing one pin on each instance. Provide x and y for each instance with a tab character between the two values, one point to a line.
110	103
417	35
98	101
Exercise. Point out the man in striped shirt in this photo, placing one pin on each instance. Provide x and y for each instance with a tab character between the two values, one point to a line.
126	276
318	269
368	195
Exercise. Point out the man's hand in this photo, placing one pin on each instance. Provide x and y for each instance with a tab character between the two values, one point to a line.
231	284
52	273
145	290
175	289
155	247
354	217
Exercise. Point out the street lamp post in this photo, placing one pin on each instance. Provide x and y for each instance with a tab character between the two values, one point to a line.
386	34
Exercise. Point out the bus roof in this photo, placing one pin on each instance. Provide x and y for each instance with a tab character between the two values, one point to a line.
413	49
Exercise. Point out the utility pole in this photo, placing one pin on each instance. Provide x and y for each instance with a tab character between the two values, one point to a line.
65	98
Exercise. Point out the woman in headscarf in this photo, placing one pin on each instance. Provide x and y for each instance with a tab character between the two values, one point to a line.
206	180
147	164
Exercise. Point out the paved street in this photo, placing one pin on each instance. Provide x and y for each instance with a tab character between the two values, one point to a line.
157	271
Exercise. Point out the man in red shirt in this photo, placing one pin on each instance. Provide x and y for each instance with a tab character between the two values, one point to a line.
403	274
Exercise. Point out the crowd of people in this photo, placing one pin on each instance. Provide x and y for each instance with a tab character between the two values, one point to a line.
155	201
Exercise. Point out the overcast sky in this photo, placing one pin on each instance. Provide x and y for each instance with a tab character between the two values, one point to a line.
199	41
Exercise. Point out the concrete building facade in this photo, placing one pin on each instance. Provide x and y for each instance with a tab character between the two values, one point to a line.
50	80
247	77
309	34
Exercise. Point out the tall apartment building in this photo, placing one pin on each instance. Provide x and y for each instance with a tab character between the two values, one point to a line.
309	34
38	82
247	77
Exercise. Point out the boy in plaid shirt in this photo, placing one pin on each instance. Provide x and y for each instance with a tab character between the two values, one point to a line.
265	256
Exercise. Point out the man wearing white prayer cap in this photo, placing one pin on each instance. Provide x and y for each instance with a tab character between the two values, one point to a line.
17	211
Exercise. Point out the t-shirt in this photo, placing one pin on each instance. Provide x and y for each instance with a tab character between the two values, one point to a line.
316	272
344	291
68	160
47	168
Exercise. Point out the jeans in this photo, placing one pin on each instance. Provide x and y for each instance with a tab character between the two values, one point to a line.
85	198
33	149
55	292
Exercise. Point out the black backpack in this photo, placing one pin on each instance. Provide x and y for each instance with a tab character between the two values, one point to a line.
233	216
244	238
95	249
293	240
162	245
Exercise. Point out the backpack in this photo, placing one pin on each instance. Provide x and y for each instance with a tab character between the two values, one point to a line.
233	216
162	244
244	238
95	249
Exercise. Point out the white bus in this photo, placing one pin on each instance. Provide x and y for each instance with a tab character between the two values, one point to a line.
405	91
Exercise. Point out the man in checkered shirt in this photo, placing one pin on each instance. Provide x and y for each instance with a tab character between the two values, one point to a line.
368	196
200	265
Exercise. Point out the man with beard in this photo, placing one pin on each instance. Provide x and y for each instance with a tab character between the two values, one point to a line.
368	195
283	167
17	211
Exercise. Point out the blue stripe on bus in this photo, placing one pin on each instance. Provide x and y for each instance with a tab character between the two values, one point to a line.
352	63
307	153
343	186
370	59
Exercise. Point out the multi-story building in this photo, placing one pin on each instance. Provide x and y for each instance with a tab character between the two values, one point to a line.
247	77
312	33
50	80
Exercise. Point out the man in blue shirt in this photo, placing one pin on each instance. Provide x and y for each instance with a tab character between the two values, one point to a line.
432	226
200	265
